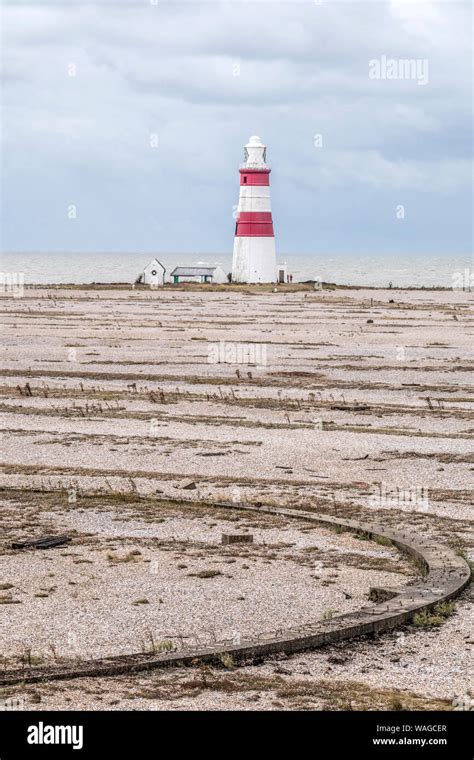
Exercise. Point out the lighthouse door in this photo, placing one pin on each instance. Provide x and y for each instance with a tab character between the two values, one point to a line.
281	275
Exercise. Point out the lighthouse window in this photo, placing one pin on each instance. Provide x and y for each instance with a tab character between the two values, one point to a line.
245	180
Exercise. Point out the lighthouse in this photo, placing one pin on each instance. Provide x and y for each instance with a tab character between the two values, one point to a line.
254	258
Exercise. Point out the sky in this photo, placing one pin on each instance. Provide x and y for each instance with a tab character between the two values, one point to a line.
124	124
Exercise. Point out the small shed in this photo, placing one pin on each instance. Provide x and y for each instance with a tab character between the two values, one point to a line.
154	274
200	274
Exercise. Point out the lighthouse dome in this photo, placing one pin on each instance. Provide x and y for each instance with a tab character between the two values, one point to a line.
254	142
255	153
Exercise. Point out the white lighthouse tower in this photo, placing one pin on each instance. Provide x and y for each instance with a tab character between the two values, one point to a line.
254	258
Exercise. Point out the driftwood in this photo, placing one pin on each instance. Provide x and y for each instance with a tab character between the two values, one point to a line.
46	542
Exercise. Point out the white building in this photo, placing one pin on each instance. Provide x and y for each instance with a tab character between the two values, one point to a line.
211	274
254	258
153	274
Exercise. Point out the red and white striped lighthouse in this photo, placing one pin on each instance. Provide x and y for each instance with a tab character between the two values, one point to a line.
254	258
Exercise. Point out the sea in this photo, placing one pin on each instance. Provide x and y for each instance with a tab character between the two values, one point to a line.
369	270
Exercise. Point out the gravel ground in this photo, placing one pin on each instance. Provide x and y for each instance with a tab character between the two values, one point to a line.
120	594
112	392
411	667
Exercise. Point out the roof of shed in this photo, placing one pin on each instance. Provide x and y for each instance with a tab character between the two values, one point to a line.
154	263
193	271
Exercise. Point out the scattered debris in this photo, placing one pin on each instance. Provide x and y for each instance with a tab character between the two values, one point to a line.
335	659
237	538
205	574
187	485
46	542
377	594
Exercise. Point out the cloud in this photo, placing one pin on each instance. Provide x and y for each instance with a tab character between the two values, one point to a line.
203	77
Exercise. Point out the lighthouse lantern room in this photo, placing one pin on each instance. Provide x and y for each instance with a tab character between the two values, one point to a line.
254	258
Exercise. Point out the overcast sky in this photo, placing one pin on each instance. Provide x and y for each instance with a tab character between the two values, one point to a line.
199	79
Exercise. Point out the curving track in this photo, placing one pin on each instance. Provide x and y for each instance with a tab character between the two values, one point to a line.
447	575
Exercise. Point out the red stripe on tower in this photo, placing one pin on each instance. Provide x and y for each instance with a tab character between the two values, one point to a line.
255	176
255	216
254	229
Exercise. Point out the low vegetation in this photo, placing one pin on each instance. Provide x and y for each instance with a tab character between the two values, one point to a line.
434	617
